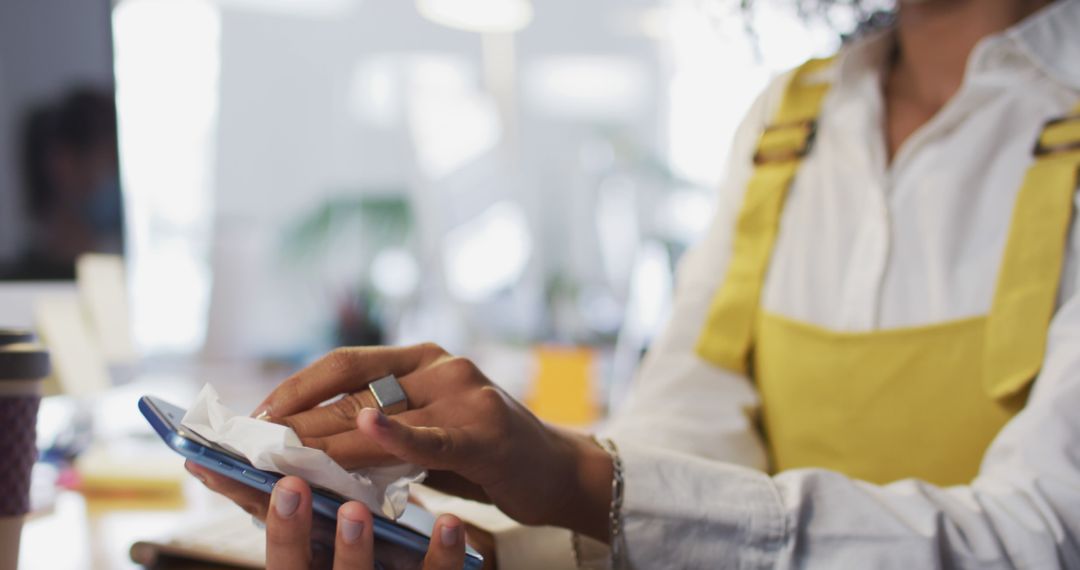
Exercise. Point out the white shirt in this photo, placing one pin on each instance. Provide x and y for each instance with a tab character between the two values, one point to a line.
865	245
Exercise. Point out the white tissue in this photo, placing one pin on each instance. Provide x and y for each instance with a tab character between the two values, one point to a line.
277	448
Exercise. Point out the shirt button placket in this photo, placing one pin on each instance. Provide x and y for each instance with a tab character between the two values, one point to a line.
868	267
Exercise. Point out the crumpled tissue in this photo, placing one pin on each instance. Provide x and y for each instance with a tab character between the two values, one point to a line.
277	448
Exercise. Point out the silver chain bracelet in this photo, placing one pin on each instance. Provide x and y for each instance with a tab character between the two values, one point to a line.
615	514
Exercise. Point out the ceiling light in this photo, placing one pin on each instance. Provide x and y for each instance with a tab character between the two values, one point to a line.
486	16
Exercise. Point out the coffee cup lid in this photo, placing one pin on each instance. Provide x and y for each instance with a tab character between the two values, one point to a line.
23	361
12	336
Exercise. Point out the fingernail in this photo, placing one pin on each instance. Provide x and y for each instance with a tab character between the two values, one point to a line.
351	530
449	535
381	420
191	469
261	413
285	502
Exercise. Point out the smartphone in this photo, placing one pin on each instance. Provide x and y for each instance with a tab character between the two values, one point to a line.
399	544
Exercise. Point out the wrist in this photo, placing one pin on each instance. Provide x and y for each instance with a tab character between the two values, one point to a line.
587	508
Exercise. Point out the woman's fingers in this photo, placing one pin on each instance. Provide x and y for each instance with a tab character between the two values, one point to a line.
355	547
252	500
288	534
447	548
430	447
353	450
451	446
344	370
288	526
333	418
340	416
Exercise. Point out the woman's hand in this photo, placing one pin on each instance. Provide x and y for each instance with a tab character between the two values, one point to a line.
289	533
477	441
258	505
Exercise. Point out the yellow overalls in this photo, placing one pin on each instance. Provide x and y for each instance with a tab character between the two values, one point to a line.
920	402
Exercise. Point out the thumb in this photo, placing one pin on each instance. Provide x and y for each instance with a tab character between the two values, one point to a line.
446	551
429	447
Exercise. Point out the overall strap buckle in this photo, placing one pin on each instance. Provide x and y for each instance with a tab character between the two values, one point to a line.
1058	135
785	142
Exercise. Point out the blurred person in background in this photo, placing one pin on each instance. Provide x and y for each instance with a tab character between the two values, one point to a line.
874	356
70	178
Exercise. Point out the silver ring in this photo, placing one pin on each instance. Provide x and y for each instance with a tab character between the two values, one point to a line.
389	395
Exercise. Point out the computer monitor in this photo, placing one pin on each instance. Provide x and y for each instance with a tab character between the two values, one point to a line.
59	177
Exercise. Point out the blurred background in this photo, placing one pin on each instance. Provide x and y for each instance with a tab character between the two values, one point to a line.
258	181
303	174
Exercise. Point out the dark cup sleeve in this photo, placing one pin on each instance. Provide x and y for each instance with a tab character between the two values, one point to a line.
18	452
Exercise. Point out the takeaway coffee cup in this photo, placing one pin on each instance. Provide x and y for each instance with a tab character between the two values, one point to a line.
23	367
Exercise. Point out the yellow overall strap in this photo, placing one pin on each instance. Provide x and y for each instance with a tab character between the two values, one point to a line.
728	334
1034	255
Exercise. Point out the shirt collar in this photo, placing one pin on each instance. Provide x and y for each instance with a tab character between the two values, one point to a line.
1047	39
1050	38
866	56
